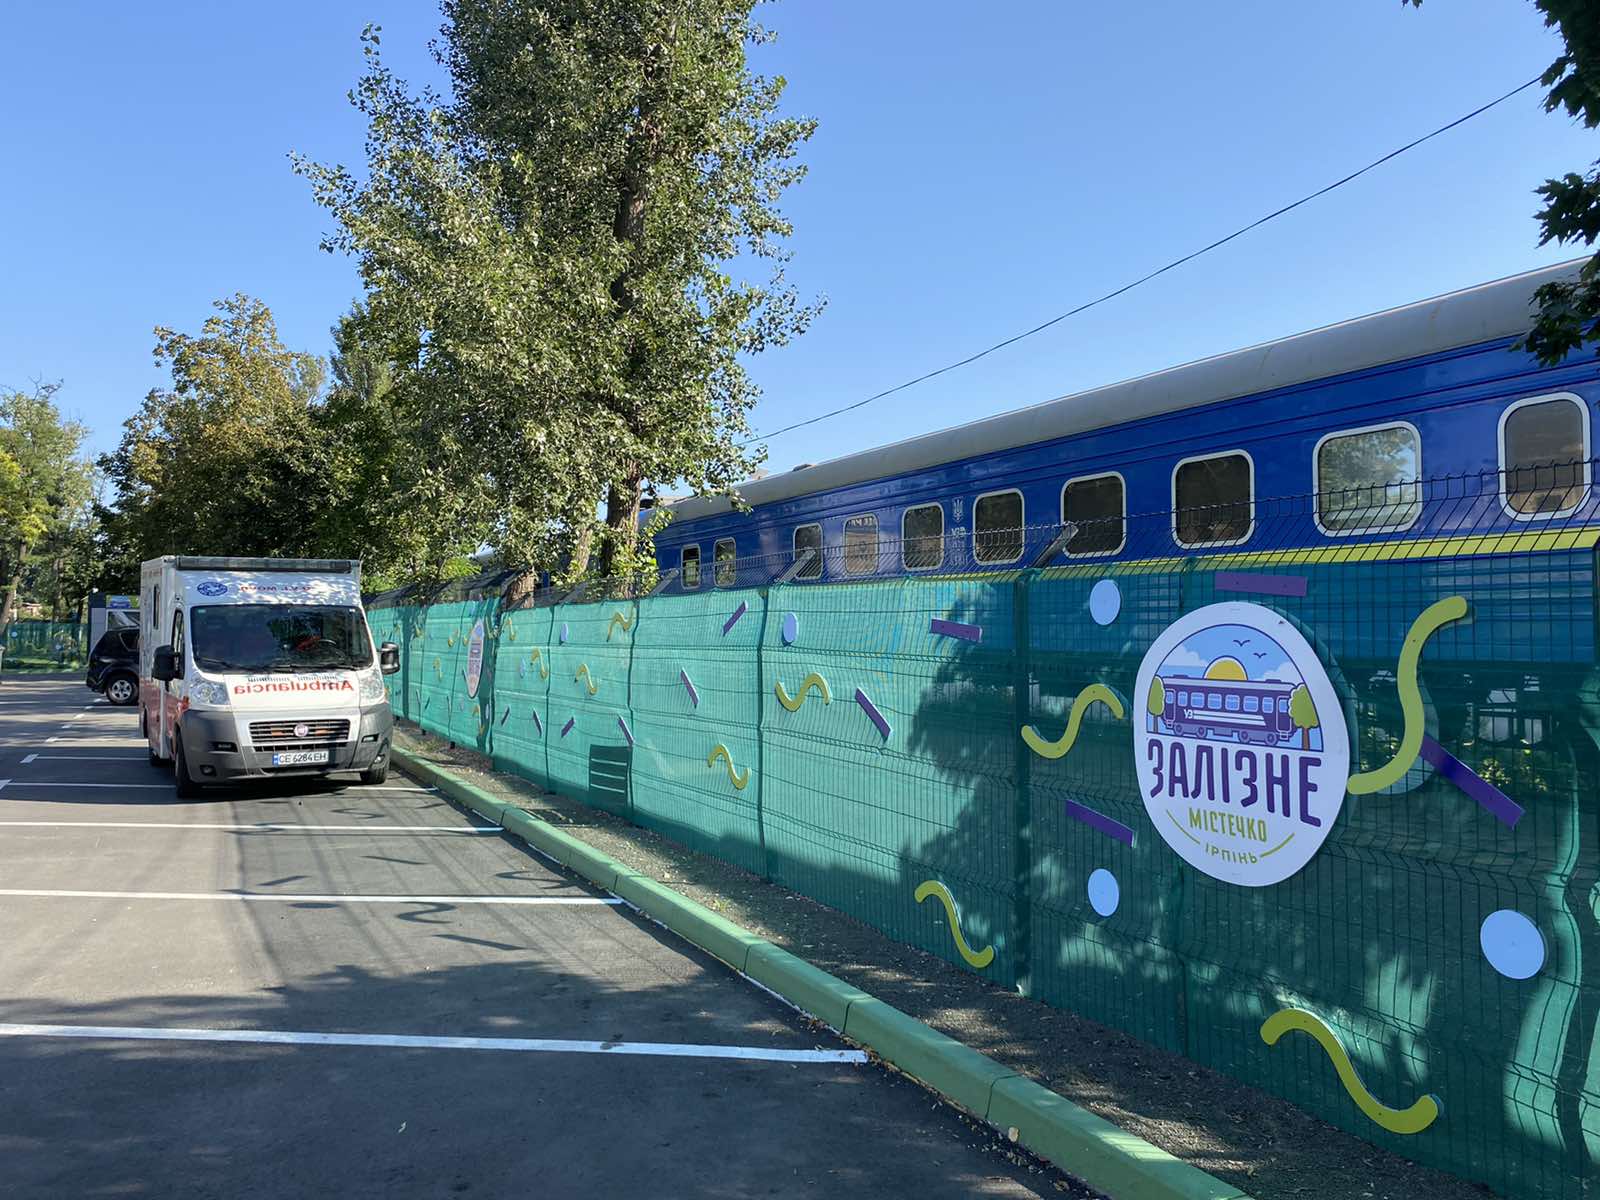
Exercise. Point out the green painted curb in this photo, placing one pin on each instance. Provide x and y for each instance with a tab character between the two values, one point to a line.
688	918
1117	1162
824	996
944	1064
475	798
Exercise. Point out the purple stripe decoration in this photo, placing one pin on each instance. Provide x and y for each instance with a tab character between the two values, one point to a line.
505	714
1505	810
694	696
734	620
626	732
876	717
567	728
1260	585
955	629
1094	820
537	724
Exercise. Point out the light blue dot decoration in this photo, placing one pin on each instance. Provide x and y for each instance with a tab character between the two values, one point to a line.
1104	892
1512	944
791	629
522	667
563	632
1105	601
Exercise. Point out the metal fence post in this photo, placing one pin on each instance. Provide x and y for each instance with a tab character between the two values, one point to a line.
1022	803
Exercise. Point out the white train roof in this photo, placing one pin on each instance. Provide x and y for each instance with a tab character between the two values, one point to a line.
1478	314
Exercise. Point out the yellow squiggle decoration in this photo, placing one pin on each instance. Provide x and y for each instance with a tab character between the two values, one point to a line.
932	887
438	666
738	778
451	640
1425	626
1094	692
533	661
793	703
588	679
618	619
1396	1120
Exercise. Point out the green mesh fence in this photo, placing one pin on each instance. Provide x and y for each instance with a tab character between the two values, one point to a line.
860	742
54	644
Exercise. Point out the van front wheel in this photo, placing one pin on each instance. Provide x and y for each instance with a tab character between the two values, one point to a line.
186	787
377	772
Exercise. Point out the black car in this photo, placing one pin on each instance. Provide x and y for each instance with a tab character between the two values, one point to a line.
114	666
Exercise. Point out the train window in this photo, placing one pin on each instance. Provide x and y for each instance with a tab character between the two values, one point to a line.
1213	500
922	537
1544	456
689	560
1367	479
1183	699
861	544
1231	702
1098	506
997	527
723	554
1252	704
1214	701
1283	704
808	537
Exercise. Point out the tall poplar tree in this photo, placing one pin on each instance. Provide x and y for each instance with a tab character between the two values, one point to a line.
594	188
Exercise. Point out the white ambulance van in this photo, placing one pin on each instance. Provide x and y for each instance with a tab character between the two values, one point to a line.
251	668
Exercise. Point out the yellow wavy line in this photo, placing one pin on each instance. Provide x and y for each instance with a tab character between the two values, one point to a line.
451	640
932	887
588	679
533	661
1094	692
738	779
438	668
1425	626
1396	1120
618	619
793	703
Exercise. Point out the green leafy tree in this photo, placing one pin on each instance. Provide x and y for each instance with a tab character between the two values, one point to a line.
551	256
1303	712
1157	700
44	482
1569	312
220	462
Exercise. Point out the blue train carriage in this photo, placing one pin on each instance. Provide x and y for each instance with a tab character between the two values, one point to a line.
1418	435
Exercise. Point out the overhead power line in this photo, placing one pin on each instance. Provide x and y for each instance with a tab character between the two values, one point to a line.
1162	270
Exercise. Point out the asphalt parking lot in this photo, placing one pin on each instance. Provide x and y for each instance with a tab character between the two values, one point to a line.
307	989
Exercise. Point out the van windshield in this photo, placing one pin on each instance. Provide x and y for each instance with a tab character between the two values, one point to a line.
278	637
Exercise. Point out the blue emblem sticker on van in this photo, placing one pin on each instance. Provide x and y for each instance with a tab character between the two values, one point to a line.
1242	751
211	587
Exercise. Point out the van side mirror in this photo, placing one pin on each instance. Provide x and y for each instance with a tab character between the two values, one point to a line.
165	667
388	658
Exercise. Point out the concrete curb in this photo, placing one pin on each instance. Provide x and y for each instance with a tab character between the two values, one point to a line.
1107	1158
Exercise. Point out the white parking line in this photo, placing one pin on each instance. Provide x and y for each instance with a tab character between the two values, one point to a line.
300	898
273	1037
85	758
30	783
257	828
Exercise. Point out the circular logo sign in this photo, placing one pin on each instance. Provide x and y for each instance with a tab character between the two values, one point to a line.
474	658
1240	743
211	587
301	730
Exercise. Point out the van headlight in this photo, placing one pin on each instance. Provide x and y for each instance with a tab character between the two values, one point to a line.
372	685
210	692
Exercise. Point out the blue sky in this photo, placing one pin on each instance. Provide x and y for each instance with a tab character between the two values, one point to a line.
975	171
